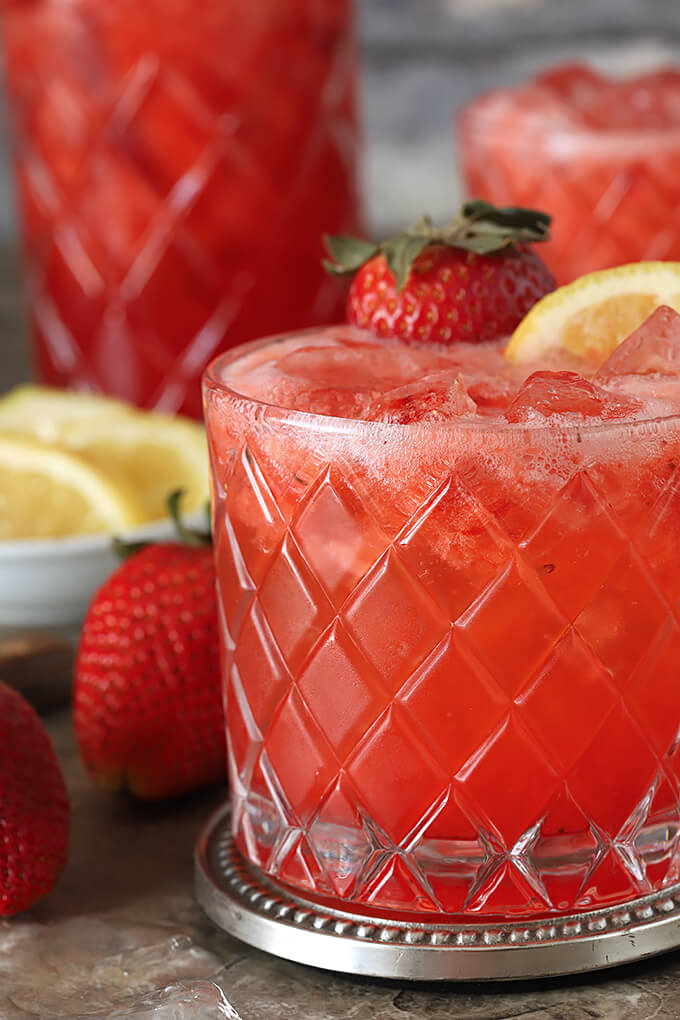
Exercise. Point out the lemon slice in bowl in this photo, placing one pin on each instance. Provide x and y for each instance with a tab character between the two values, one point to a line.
591	316
43	411
150	453
46	492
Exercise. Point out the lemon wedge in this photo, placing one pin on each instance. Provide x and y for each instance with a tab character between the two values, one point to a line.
141	455
43	411
150	453
591	316
46	492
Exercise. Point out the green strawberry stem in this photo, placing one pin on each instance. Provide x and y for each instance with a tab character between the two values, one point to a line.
479	227
185	536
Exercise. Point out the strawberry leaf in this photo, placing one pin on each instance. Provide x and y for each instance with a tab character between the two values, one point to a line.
508	219
479	228
348	253
401	252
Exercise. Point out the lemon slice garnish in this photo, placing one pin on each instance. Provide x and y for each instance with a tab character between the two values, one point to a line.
591	316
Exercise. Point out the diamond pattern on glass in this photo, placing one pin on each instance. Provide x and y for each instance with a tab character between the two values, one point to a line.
337	535
266	817
399	886
341	690
109	187
455	702
305	773
294	603
236	589
626	841
655	705
657	842
343	846
245	738
515	613
213	223
582	536
658	539
153	143
260	826
163	127
565	851
454	546
505	892
621	759
623	618
68	271
302	868
265	679
393	620
450	852
627	495
571	674
165	269
255	518
611	878
528	782
598	207
415	778
386	674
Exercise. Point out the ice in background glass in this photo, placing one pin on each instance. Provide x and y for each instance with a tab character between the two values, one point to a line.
601	156
450	633
176	165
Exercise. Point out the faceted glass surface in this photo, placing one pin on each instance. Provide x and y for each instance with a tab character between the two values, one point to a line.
176	166
601	156
450	657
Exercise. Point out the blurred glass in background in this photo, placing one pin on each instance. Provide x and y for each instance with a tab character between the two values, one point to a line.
600	154
176	165
422	61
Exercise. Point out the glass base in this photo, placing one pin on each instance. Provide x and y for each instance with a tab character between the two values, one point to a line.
475	879
263	914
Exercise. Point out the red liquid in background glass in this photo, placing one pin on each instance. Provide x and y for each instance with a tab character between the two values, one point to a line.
176	166
601	156
450	632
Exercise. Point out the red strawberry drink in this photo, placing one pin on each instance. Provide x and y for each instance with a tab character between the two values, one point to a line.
176	166
602	156
449	591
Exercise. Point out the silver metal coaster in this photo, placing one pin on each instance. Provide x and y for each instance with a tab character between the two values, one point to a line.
254	909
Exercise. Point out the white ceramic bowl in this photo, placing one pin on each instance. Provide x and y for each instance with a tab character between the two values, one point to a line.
49	582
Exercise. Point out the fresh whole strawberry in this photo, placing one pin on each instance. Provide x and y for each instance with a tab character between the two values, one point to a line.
34	810
147	694
472	280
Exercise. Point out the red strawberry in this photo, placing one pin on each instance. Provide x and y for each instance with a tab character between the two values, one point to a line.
473	280
34	809
147	694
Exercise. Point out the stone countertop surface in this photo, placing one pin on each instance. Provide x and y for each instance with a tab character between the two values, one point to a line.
122	936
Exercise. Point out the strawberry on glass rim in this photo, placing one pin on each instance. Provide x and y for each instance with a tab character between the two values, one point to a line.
471	280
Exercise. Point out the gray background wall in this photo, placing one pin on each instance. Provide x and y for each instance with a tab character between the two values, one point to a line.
422	59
